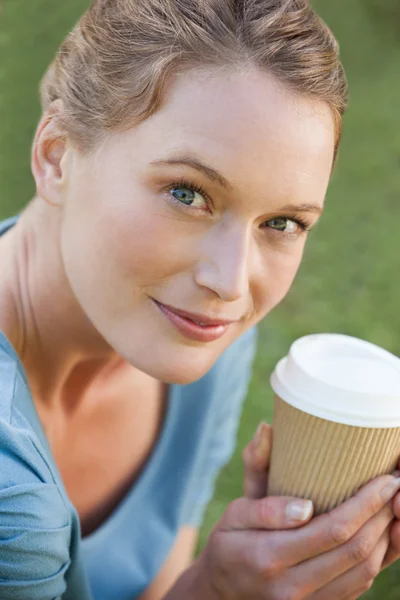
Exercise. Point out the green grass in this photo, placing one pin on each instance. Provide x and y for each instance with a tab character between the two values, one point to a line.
349	281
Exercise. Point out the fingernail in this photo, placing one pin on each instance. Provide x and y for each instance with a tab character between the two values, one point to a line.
389	491
258	434
299	510
259	439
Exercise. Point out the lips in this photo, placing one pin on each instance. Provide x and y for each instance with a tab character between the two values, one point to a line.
195	327
198	318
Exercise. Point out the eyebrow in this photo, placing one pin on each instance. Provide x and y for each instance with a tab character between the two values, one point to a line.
194	163
216	176
313	208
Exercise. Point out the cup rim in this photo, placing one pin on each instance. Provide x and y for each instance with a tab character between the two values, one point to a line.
355	408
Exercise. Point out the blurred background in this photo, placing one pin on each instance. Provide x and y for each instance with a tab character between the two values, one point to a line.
350	279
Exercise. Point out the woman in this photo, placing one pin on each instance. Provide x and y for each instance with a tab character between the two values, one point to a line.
184	152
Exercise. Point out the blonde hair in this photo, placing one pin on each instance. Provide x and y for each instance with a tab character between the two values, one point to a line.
111	70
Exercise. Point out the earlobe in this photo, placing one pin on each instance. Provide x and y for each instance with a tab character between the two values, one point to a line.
48	150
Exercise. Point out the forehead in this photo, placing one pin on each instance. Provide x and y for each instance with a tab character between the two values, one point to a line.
245	125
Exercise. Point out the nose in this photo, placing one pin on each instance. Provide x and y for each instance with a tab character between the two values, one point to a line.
225	263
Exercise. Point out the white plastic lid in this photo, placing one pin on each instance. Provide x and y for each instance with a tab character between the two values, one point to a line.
342	379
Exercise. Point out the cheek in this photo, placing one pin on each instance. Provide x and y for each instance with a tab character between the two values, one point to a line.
113	238
145	246
279	272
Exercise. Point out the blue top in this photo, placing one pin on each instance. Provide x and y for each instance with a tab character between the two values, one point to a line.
42	555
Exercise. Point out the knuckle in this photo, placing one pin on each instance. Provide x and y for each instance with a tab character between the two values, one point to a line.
262	511
216	556
267	566
274	593
267	511
374	504
360	549
215	543
371	570
264	560
246	456
259	465
340	533
253	462
232	510
290	593
271	568
246	557
367	585
389	514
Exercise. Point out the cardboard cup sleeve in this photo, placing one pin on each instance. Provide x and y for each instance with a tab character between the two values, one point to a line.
324	461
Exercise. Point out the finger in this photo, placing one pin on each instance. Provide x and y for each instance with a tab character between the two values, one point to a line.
318	572
357	580
256	457
257	453
393	553
269	513
255	484
396	506
326	532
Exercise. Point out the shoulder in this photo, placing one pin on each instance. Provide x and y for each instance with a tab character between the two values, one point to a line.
35	528
8	376
23	457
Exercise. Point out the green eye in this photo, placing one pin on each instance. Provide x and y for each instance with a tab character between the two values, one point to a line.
188	196
183	195
283	224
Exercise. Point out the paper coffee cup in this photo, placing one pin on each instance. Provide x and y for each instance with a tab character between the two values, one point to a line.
336	419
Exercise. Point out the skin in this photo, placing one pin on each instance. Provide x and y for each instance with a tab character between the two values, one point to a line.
179	560
116	210
257	551
105	235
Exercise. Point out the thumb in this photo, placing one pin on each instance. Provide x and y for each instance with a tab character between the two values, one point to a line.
256	457
268	513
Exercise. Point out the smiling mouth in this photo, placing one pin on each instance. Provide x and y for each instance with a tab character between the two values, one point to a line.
198	318
193	329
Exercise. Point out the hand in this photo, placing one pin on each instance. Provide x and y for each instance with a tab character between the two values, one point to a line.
393	553
256	460
261	550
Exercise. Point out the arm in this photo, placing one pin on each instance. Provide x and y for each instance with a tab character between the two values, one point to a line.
35	524
179	559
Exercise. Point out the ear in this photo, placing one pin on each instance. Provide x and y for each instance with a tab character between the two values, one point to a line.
49	149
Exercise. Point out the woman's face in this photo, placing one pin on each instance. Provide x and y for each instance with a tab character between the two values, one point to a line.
203	207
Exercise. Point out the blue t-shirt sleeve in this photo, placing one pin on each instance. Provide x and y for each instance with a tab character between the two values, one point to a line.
233	381
34	522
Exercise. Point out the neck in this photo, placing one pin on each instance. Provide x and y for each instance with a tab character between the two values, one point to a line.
59	347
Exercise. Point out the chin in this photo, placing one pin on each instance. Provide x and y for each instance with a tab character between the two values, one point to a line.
172	361
173	367
183	378
182	374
